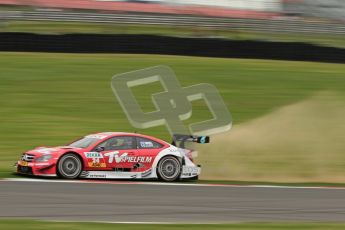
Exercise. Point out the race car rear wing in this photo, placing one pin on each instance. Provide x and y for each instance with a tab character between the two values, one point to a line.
182	139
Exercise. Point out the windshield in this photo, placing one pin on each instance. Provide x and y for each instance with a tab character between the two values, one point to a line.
84	142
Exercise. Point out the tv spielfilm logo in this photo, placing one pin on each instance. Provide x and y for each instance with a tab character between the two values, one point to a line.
173	105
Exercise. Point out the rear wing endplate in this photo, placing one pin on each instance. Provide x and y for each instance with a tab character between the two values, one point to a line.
182	139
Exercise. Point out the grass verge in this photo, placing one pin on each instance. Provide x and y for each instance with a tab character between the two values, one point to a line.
50	99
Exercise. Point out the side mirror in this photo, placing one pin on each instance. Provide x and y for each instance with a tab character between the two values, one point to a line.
99	149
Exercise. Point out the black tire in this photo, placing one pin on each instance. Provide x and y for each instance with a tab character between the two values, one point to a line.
69	166
169	169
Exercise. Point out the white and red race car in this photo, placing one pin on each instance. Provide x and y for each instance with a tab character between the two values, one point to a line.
115	155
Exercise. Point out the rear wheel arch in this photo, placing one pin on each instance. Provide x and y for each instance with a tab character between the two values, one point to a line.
171	155
160	174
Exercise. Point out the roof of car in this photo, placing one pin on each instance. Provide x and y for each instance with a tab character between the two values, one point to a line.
110	134
115	133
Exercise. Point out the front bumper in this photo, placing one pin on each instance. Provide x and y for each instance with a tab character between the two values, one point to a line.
36	169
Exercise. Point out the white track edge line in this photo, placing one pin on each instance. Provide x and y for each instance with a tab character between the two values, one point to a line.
168	184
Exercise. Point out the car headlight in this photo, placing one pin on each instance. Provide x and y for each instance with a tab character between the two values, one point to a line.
44	158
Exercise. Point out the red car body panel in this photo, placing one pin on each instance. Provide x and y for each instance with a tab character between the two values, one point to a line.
133	156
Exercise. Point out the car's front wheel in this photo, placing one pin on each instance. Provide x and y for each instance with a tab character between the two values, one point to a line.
169	169
69	166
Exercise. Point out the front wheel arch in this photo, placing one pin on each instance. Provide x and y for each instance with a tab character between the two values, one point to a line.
71	153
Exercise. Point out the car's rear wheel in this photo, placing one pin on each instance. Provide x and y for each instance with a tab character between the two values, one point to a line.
169	169
69	166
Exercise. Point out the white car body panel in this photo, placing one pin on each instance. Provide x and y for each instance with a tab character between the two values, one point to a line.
189	169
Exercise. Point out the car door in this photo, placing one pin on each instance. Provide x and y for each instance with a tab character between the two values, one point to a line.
118	152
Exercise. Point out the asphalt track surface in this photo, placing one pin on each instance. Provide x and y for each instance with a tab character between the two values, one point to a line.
153	202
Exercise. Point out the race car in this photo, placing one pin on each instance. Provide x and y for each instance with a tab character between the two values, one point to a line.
115	155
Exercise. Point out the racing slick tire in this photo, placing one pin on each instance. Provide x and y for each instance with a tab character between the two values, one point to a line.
169	169
69	166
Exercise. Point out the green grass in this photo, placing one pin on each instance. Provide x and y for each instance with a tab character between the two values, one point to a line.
181	31
19	224
50	99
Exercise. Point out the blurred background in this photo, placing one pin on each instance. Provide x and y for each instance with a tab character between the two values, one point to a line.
314	21
288	113
279	66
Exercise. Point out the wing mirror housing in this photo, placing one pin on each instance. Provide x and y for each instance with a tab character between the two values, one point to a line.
99	149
